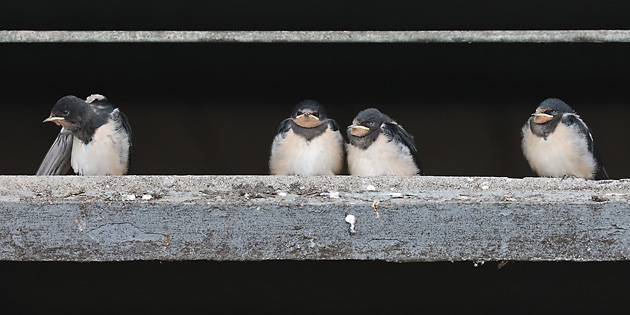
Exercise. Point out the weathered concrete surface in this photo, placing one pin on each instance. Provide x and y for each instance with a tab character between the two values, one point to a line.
265	217
533	36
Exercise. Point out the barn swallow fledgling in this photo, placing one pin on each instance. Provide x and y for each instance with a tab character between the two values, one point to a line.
307	143
379	146
557	143
95	138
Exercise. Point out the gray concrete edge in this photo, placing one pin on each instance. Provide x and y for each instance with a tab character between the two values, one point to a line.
483	36
254	218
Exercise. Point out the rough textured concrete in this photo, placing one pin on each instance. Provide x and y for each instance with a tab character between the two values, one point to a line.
543	36
75	218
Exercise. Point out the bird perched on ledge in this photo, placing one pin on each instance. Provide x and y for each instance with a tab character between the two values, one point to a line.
95	138
307	143
379	146
557	143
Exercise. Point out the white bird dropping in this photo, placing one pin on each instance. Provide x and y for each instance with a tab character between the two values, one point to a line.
352	220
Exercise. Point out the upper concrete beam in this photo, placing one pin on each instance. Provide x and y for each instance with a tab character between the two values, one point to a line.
72	218
542	36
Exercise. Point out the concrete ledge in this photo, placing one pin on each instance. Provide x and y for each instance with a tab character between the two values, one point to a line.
541	36
399	219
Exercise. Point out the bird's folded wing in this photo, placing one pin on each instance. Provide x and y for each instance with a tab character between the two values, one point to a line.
573	119
397	133
57	160
333	124
117	115
284	127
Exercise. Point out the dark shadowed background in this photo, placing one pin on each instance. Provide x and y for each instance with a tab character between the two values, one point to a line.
214	109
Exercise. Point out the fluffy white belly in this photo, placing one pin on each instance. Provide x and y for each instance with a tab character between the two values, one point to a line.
563	153
106	154
382	157
293	155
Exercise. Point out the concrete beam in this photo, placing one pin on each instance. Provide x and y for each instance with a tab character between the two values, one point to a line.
243	218
541	36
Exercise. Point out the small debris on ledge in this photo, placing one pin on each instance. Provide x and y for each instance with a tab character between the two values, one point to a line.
251	218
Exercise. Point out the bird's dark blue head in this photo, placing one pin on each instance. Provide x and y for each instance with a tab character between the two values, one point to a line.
70	112
551	109
81	117
367	122
309	114
547	116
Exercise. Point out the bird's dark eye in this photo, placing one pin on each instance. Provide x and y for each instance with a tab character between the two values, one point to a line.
299	113
315	114
65	112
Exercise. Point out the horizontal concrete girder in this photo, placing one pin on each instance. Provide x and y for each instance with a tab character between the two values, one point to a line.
484	36
252	218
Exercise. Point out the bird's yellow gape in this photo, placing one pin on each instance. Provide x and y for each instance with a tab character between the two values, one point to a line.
307	120
541	118
59	121
358	130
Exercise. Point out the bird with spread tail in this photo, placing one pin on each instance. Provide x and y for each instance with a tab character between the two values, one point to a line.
95	138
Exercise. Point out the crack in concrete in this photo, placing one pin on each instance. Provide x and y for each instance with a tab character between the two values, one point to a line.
124	232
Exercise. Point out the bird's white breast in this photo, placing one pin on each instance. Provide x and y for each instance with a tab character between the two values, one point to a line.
382	157
294	155
564	153
106	154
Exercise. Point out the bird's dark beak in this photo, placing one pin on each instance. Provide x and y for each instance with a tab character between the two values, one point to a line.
55	119
541	118
358	130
